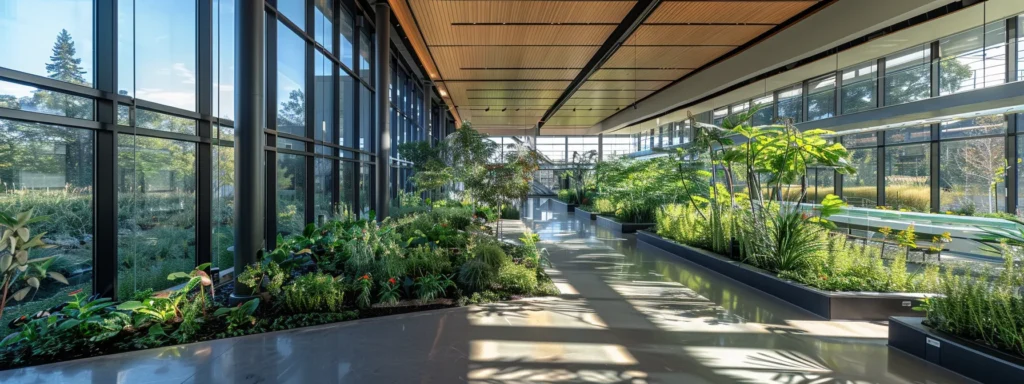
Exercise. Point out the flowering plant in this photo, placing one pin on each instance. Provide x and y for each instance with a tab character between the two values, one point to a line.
389	292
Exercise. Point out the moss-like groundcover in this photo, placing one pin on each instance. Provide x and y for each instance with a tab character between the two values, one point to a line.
343	270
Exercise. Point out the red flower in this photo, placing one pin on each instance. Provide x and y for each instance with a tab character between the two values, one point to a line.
803	216
75	292
444	225
392	281
366	277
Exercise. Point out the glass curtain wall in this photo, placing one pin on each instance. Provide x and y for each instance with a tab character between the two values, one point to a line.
136	167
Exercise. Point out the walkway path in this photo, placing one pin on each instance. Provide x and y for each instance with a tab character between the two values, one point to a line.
625	316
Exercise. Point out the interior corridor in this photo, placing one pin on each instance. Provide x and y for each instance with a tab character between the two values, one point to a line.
626	315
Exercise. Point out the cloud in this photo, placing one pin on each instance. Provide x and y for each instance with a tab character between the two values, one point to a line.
184	72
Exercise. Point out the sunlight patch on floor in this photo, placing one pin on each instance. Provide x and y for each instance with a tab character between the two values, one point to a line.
555	313
554	375
856	329
549	352
760	359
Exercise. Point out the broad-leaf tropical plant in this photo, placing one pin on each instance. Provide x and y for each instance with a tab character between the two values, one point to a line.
16	265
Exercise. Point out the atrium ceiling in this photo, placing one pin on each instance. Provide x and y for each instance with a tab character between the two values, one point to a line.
569	64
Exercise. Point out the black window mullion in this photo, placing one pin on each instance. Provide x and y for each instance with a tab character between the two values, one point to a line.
880	82
204	157
934	168
310	109
1011	163
270	76
105	181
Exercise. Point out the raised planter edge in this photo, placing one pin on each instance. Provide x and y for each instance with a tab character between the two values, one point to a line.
610	223
863	306
909	335
579	212
562	206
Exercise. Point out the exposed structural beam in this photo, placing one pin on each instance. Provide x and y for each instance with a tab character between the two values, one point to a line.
636	16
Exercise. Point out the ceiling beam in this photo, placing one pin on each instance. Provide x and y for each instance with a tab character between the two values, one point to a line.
636	16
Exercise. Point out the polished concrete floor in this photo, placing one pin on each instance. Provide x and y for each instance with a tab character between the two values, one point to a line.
626	315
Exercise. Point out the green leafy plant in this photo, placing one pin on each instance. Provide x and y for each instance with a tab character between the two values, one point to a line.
239	317
431	287
389	292
492	255
365	287
517	279
313	292
15	262
476	275
261	277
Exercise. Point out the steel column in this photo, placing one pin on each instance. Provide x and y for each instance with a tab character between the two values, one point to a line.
105	180
249	149
383	62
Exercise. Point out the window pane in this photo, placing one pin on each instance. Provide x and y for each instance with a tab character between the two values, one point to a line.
824	184
346	110
164	122
366	140
324	180
32	99
291	193
52	40
719	115
323	13
156	211
294	10
323	88
49	169
977	126
908	76
973	59
859	87
821	98
791	104
365	56
907	177
157	51
860	189
866	139
291	82
223	203
347	184
347	28
908	134
224	59
365	180
766	108
971	176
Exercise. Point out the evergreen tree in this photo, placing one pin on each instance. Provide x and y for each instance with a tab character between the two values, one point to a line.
64	66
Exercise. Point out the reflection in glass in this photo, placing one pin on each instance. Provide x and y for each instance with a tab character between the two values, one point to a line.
32	99
365	57
323	13
366	140
860	189
821	98
157	51
156	211
323	181
908	134
859	87
294	10
791	104
346	110
164	122
323	89
51	41
365	180
291	193
49	169
907	177
223	212
908	75
973	59
973	127
347	27
347	188
971	175
291	82
224	59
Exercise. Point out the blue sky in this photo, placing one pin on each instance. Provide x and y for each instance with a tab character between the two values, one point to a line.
164	46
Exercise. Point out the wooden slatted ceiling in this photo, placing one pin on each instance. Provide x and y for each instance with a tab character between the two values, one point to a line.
483	45
524	53
682	34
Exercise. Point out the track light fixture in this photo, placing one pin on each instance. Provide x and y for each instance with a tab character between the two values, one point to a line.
488	109
504	109
574	109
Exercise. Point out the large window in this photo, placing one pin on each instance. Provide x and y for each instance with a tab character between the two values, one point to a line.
791	104
908	75
861	189
223	215
323	88
821	98
294	10
553	147
291	82
859	86
973	59
156	211
765	111
49	170
46	40
615	146
907	177
324	181
972	168
224	59
291	193
366	140
157	51
323	14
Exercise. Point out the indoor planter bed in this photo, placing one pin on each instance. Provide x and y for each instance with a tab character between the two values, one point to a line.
867	306
968	358
581	213
561	206
615	225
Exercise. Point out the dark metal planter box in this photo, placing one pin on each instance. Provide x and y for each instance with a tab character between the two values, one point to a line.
610	223
561	206
974	361
869	306
581	214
